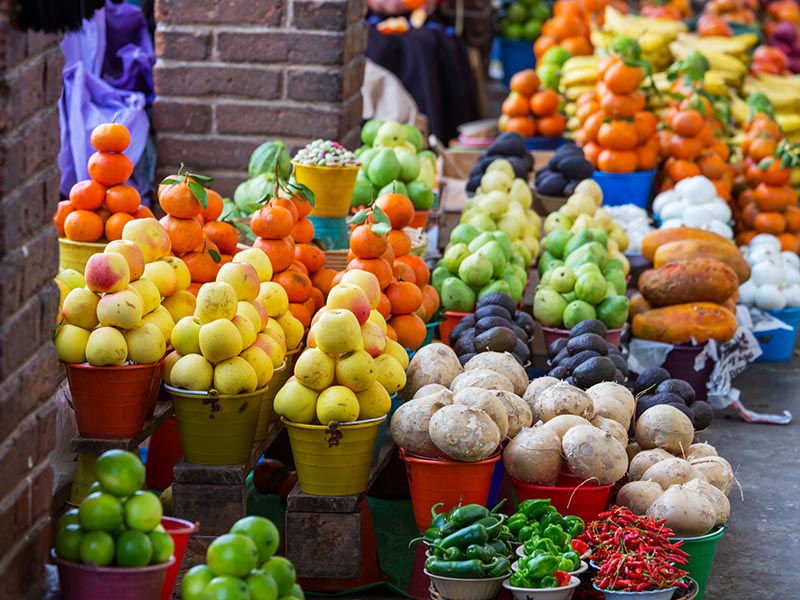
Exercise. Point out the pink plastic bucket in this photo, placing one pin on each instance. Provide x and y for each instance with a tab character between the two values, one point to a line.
180	531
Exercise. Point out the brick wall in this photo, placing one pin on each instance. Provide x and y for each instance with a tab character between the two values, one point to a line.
30	84
232	74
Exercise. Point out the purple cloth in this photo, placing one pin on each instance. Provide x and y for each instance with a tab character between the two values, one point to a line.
129	55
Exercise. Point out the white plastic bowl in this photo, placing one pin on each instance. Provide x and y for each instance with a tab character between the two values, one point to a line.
559	593
466	589
664	594
582	569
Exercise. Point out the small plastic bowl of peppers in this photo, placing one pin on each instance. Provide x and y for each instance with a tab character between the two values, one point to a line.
469	552
634	556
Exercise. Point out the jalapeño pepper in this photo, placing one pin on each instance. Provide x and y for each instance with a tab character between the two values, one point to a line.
484	553
573	525
516	522
439	519
556	533
533	509
460	569
501	547
467	515
542	566
499	566
493	525
432	533
448	553
505	534
473	534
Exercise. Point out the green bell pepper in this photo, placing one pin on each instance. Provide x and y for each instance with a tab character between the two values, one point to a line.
473	534
459	569
541	566
557	534
516	522
548	582
573	525
533	509
541	544
484	553
520	580
574	559
551	517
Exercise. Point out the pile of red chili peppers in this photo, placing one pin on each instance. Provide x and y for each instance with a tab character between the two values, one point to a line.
633	552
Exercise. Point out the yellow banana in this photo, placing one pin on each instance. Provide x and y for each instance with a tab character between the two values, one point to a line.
634	26
579	77
578	62
573	93
729	45
789	123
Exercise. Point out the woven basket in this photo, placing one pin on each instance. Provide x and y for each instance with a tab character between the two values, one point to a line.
336	259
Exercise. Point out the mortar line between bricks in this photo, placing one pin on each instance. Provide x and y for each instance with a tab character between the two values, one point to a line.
205	27
14	70
277	103
11	497
39	177
26	127
228	137
35	528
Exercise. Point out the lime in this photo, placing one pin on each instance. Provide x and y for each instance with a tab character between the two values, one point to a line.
232	554
97	547
95	487
282	572
68	518
68	542
119	472
263	533
195	581
262	586
226	587
143	511
297	592
134	549
163	546
100	512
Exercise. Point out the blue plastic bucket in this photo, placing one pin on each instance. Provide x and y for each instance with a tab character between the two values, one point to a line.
498	476
542	142
777	345
516	56
332	232
396	402
625	188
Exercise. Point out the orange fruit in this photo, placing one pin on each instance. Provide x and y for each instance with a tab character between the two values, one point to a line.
390	332
524	82
774	174
552	126
525	126
400	243
62	211
685	147
592	126
309	255
110	137
789	242
403	272
297	285
298	266
617	135
770	222
280	252
185	234
143	212
83	226
404	296
745	237
542	44
410	330
711	165
377	266
303	231
122	198
646	125
323	280
430	300
272	222
592	152
792	216
679	169
87	195
214	208
515	105
301	313
544	103
762	147
619	106
223	234
622	79
288	205
617	161
770	198
114	225
577	45
687	123
337	278
647	157
177	200
201	265
422	273
398	208
365	243
303	207
385	307
318	298
109	169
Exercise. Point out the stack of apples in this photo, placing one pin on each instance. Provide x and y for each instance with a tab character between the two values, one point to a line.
350	367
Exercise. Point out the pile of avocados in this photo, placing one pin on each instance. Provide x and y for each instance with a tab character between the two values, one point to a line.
654	386
509	145
586	358
566	169
495	326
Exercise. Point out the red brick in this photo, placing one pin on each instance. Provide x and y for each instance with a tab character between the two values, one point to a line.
46	431
201	80
183	45
18	454
28	149
42	493
326	15
327	86
352	115
254	12
268	119
22	566
356	41
205	152
53	76
297	48
26	94
184	117
11	273
30	385
20	337
21	215
40	267
15	517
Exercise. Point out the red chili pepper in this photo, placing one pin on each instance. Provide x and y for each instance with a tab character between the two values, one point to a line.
579	546
562	577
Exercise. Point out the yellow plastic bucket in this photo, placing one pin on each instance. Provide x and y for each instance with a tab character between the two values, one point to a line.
74	255
266	414
216	430
281	377
332	186
333	460
83	477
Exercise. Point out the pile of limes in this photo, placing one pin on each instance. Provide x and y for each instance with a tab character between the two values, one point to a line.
233	571
118	523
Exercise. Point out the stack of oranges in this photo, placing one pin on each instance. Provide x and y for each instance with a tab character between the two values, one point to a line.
99	207
569	27
766	202
407	301
530	111
616	132
284	233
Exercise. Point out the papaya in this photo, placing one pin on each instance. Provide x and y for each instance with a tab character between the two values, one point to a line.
695	280
730	304
701	321
721	249
659	237
637	306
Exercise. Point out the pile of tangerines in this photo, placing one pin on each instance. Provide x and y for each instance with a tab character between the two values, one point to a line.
674	10
100	207
530	111
616	132
570	27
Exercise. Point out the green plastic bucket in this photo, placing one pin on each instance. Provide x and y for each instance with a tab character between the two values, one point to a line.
216	430
701	555
333	460
266	414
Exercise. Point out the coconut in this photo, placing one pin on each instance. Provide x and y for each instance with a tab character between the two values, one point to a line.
503	363
534	456
563	399
464	433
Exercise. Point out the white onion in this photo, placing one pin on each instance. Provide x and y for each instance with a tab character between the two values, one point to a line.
673	210
792	295
719	209
672	224
720	228
766	239
697	190
790	259
664	198
696	216
791	276
767	273
769	297
747	293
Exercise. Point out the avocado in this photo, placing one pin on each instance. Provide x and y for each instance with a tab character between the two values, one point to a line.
558	372
569	380
573	362
620	378
651	400
509	143
469	319
551	184
492	311
593	371
589	326
475	171
496	339
559	357
522	351
484	161
520	333
487	323
587	341
498	299
557	346
620	362
678	387
457	332
473	183
683	408
612	349
576	167
521	166
465	358
465	344
526	321
569	189
702	414
649	379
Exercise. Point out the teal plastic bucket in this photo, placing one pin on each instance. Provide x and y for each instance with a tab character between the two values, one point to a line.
396	402
701	555
625	188
332	232
777	345
516	56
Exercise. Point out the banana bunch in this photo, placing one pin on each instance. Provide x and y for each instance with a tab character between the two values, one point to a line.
653	35
728	56
578	75
783	92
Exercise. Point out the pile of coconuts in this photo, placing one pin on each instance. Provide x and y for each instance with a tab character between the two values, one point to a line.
580	433
671	478
461	413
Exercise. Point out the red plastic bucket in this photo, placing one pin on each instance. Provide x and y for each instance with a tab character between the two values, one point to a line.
90	582
680	364
434	480
450	320
155	390
552	334
180	531
111	402
163	454
420	220
586	501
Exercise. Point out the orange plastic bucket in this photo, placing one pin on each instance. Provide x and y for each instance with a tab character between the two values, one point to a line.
420	220
179	530
450	320
155	390
586	501
449	481
163	454
111	402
